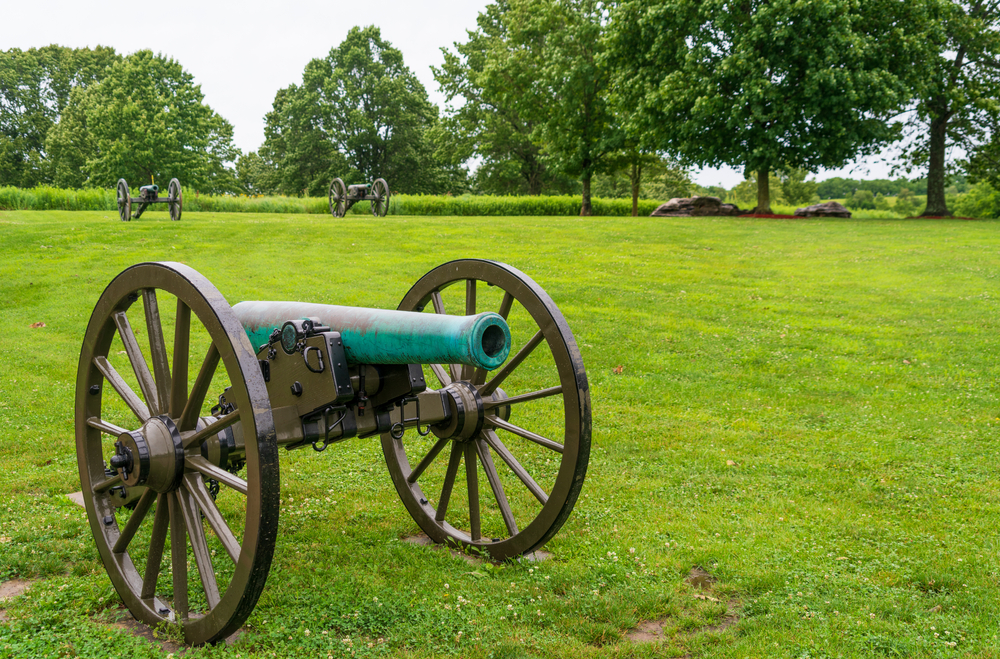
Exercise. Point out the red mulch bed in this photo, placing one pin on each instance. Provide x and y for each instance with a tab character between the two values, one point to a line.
775	217
939	217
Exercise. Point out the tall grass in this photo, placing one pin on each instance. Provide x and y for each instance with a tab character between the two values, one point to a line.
46	198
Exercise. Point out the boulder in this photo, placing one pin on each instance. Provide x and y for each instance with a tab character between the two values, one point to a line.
829	209
695	206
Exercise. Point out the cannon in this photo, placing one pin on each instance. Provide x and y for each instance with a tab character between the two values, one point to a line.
178	445
149	194
342	197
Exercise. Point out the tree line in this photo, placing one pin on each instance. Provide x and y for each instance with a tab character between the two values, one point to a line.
548	96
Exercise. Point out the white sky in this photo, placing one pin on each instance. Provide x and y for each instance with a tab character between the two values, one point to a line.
241	53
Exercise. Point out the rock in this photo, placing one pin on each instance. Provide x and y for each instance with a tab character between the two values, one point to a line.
695	206
829	209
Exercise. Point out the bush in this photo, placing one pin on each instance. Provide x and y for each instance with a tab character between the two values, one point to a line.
982	201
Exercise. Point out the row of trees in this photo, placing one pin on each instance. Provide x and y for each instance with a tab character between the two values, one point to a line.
548	96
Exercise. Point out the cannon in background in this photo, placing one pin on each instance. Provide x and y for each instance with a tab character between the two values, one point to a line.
342	197
149	194
178	455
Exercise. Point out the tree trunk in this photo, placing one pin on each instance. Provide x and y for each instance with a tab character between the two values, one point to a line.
635	178
763	191
937	205
585	209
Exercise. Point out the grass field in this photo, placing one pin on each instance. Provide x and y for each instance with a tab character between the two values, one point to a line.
806	410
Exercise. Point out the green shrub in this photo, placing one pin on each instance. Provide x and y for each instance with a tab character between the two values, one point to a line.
982	201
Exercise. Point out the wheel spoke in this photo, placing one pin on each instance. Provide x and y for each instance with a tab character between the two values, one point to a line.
146	384
472	478
527	434
124	391
106	485
438	302
505	305
513	363
428	459
515	466
182	345
196	486
156	542
213	428
523	398
442	375
178	555
483	449
199	546
206	468
192	409
105	427
449	481
141	508
157	348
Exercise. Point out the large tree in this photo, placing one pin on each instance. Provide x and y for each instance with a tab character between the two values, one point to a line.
35	87
492	80
958	103
766	84
359	114
145	120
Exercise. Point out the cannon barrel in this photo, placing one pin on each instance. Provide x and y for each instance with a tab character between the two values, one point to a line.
379	336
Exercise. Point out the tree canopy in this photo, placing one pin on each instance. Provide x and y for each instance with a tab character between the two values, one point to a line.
35	87
958	100
765	85
146	119
359	114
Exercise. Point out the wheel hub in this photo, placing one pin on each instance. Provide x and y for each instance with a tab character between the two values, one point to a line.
468	411
152	456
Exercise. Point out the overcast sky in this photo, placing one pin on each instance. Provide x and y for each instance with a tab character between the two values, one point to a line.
241	53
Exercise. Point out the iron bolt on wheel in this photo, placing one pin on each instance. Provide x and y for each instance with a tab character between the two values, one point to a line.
124	201
531	438
380	200
144	436
176	199
338	198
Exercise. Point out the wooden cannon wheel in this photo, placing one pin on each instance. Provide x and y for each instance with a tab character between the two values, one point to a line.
338	198
176	199
138	409
124	201
380	197
532	440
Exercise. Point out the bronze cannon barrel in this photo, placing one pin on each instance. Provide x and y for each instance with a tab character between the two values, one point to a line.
379	336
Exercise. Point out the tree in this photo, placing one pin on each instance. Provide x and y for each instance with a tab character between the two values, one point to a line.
359	114
795	188
580	133
145	120
493	78
958	103
35	87
765	85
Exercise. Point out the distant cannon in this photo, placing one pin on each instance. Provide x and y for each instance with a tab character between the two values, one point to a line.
149	194
342	197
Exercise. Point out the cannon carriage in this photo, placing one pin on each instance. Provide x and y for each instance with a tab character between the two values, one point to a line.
341	197
148	195
178	446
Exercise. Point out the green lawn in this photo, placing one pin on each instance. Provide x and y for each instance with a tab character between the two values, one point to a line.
807	410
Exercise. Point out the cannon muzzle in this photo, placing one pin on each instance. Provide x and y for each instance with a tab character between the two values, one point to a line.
379	336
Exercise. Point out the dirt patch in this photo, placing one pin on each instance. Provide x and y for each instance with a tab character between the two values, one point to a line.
423	540
13	588
652	631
